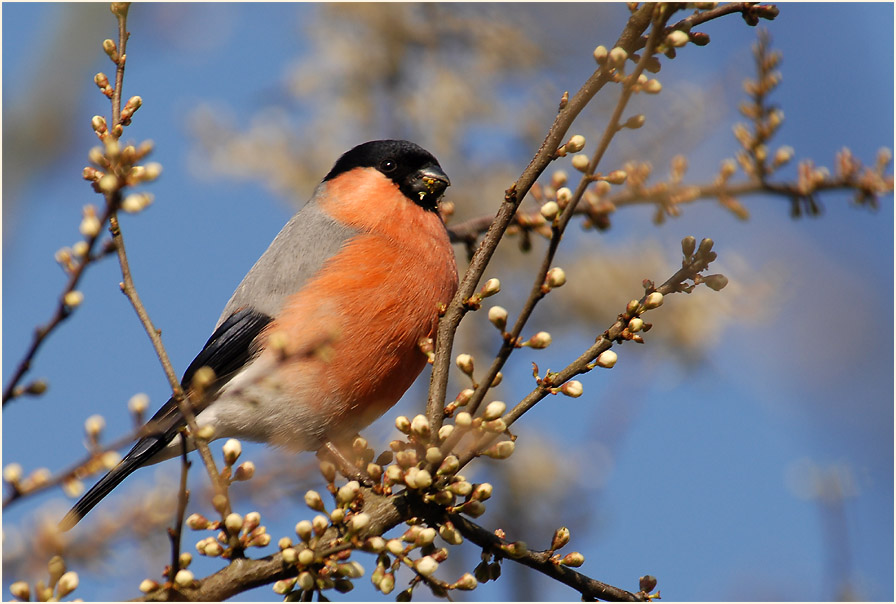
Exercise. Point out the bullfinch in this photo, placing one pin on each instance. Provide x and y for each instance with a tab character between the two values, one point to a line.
322	335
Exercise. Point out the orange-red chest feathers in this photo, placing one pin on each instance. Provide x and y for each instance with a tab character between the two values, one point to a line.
372	302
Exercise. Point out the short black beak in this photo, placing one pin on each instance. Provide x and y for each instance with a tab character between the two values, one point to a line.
427	186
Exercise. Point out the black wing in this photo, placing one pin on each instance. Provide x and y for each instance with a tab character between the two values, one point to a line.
229	349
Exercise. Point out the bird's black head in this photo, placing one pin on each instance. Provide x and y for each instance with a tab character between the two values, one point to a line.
414	169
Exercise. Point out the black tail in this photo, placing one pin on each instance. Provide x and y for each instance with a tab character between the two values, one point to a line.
142	452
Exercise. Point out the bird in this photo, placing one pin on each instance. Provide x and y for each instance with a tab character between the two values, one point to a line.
322	336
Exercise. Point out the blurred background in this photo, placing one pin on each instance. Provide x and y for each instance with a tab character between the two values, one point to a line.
744	453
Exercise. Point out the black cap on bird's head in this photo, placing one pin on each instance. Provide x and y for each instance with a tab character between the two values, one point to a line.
414	169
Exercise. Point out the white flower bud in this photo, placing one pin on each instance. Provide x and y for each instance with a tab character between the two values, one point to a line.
403	424
463	420
303	530
653	300
93	425
572	388
606	359
244	471
313	501
617	56
138	403
498	314
540	340
359	522
550	210
556	277
232	449
465	363
576	143
183	578
677	39
233	522
67	583
73	298
347	493
482	491
580	162
491	287
420	426
494	410
426	565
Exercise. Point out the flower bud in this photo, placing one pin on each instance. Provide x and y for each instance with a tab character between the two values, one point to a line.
148	585
576	143
465	363
461	488
501	450
636	325
652	86
616	177
572	388
73	298
561	538
232	449
540	340
580	162
306	557
635	122
420	426
491	287
600	54
498	314
313	501
677	39
463	420
550	210
482	491
244	471
305	580
426	565
715	282
359	522
466	583
183	578
494	410
320	523
94	425
653	300
233	522
136	202
617	57
403	424
573	559
98	123
564	194
283	586
606	359
347	492
387	584
556	277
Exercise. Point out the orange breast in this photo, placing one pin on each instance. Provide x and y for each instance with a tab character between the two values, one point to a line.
371	303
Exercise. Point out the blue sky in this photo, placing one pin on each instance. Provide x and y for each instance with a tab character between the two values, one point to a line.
699	490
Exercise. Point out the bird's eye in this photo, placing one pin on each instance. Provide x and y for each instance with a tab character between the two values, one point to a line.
387	166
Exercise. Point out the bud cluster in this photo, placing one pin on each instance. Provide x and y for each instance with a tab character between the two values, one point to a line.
248	529
62	583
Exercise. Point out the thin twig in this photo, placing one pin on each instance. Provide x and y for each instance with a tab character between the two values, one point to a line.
590	589
183	496
514	195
